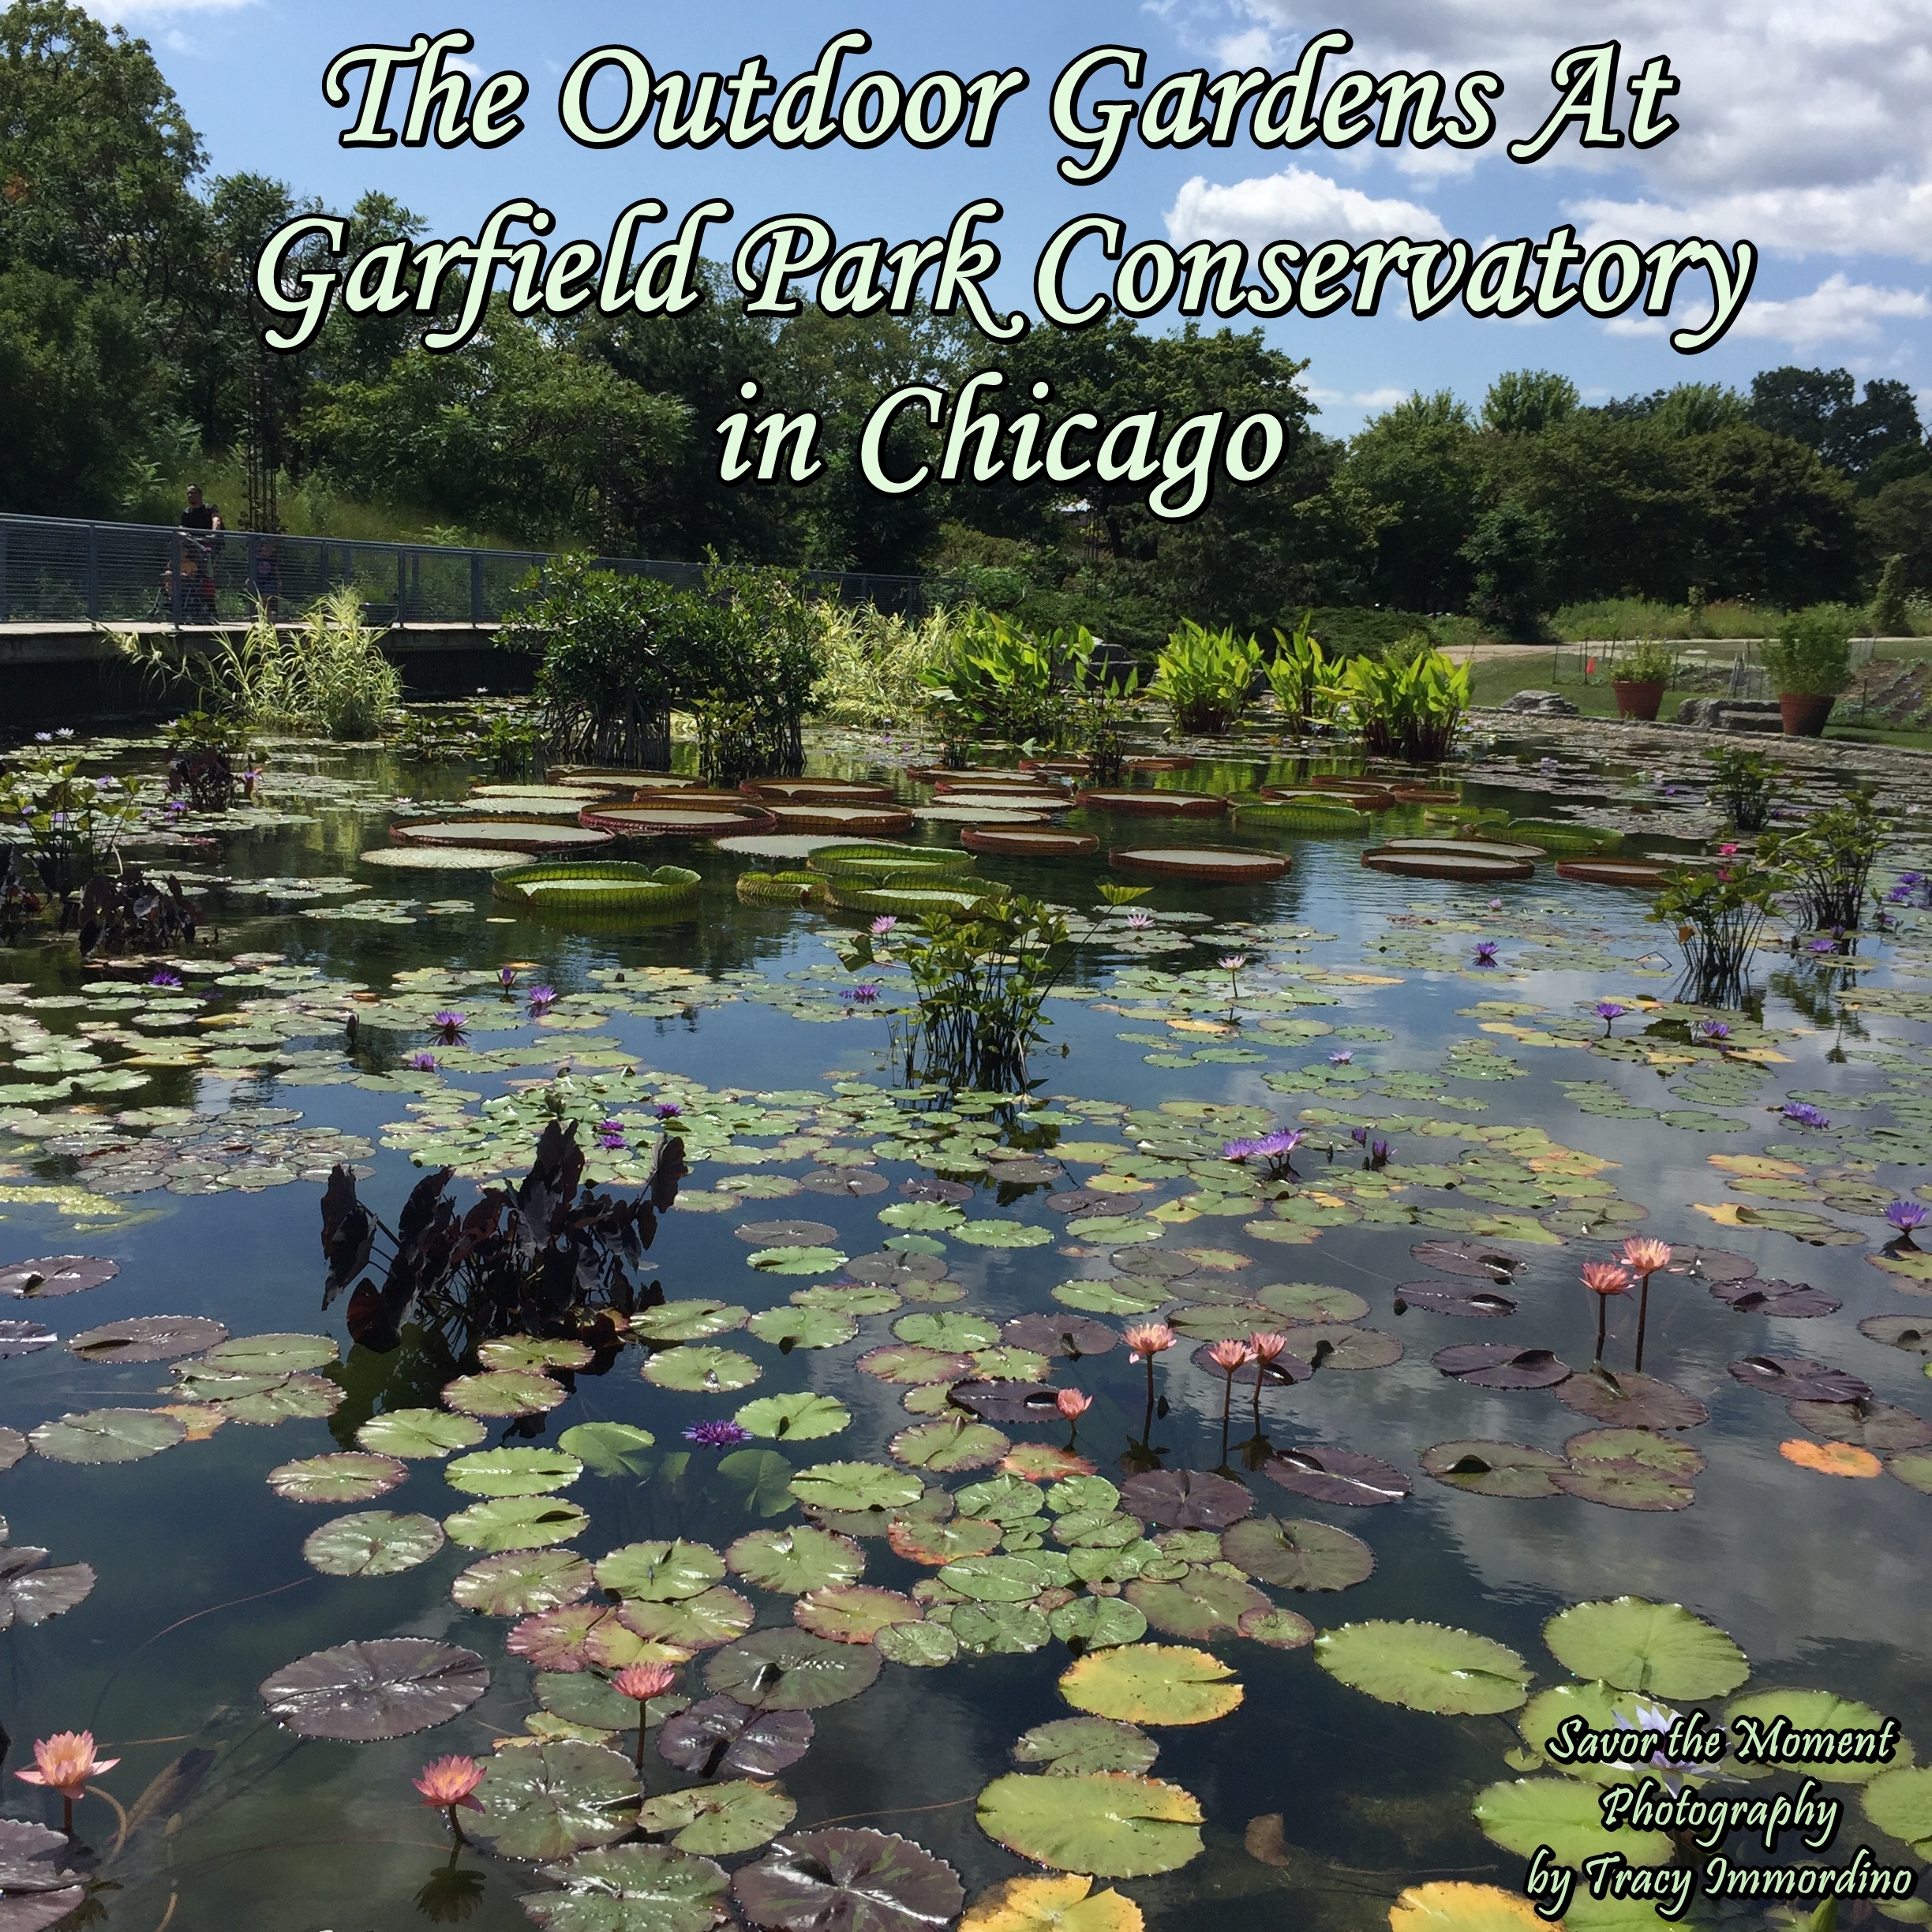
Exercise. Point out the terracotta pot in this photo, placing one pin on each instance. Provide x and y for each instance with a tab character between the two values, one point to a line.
1804	713
1638	701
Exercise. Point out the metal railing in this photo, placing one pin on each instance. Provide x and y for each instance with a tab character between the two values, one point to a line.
58	569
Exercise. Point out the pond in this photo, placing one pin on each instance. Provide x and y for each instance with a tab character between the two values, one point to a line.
1273	1650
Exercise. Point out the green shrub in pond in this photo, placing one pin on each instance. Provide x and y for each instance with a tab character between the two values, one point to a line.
1408	703
1306	680
1204	677
1741	782
1717	914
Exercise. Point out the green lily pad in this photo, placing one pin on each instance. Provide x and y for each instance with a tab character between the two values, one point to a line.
756	1481
1662	1455
1108	1824
919	1646
999	1629
1003	1234
687	1321
609	1448
513	1472
423	1434
1151	1683
1007	1579
1001	1499
1095	1622
794	1260
922	1540
1108	1297
355	1477
853	1613
791	1562
273	1354
737	1816
373	1543
1067	1746
1637	1645
660	1572
791	1670
1312	1301
524	1582
851	1486
1815	1710
931	1216
1425	1667
550	1799
1493	1468
504	1392
956	1443
516	1523
1200	1606
788	1328
1292	1554
107	1435
908	1365
1901	1802
949	1330
536	1352
1563	1814
700	1371
1600	1705
799	1417
631	1888
699	1623
584	1698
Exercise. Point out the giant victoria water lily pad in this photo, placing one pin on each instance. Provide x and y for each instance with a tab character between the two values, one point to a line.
386	1687
719	1737
547	1800
631	1888
1106	1823
1660	1648
841	1880
1425	1667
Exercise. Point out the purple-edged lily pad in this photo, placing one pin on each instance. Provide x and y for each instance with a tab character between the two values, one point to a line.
1879	1427
950	1193
1493	1468
25	1338
1185	1500
1796	1379
1328	1475
148	1338
1082	1200
1495	1364
1071	1335
1711	1264
1467	1257
850	1182
787	1233
1440	1298
1912	1333
386	1687
1631	1400
1621	1486
847	1880
1027	1172
37	1886
889	1267
56	1275
1007	1402
1155	1264
1343	1345
1795	1300
721	1738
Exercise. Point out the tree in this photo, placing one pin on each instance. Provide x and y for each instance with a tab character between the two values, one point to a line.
1771	521
1897	522
1817	407
1527	402
1509	552
1419	469
1689	408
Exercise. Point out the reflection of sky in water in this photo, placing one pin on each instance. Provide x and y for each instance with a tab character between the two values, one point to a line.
1815	1576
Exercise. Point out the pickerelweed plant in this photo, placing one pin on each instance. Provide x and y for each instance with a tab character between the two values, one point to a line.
1826	862
1408	703
1717	914
1203	677
1308	684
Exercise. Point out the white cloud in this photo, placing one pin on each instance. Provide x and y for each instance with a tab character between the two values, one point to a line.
1836	310
1358	398
1805	128
1297	202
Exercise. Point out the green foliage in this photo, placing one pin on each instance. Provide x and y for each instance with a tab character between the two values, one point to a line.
1741	782
1002	679
1103	706
1718	913
1307	684
874	666
1890	614
1828	860
74	824
1527	402
1509	551
1812	651
1204	678
1407	706
1647	661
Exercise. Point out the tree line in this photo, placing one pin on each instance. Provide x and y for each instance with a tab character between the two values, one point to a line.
129	355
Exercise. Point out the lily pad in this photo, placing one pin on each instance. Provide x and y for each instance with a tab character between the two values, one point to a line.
1186	1499
1790	1300
1453	1905
1815	1711
548	1800
1201	1606
148	1338
107	1435
852	1486
793	1561
700	1371
955	1442
919	1646
386	1687
1067	1903
1074	1336
631	1888
1151	1683
949	1330
660	1572
516	1523
700	1622
1295	1555
788	1328
1564	1813
1091	1622
1660	1648
1796	1379
799	1417
1629	1488
524	1582
1494	1468
922	1540
1631	1400
1067	1746
513	1472
841	1880
1327	1475
1901	1802
1104	1824
688	1321
1481	1259
909	1365
721	1737
373	1543
1498	1365
791	1670
1438	1298
609	1448
792	1258
536	1352
30	1592
273	1354
1425	1667
1659	1455
504	1392
419	1433
853	1613
352	1477
56	1275
737	1816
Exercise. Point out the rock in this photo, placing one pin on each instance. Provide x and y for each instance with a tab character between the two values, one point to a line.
1732	714
1541	704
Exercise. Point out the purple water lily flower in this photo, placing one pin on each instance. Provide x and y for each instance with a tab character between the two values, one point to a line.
541	999
611	1143
1485	951
506	977
1713	1033
1341	1057
1658	1720
421	1063
1609	1012
725	1434
669	1111
1378	1153
165	979
1899	894
448	1027
1801	1113
1906	1215
884	924
610	1133
174	807
860	995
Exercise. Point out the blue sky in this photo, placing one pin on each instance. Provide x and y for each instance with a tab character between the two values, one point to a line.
1807	130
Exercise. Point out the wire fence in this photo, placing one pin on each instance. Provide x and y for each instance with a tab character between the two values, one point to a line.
1721	667
57	570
